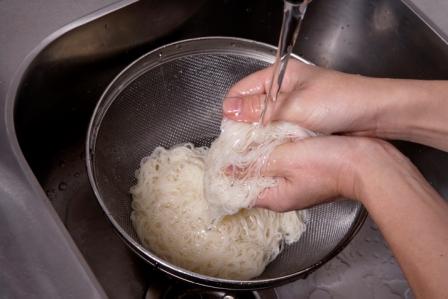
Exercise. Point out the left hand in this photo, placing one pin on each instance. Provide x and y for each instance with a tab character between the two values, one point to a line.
313	170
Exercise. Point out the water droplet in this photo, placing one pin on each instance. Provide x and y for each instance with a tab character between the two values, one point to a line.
178	46
77	174
50	194
62	186
160	55
233	44
374	227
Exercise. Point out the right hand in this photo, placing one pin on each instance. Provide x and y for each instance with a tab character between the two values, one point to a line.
329	102
318	99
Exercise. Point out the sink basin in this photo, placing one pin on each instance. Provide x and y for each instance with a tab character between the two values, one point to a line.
62	84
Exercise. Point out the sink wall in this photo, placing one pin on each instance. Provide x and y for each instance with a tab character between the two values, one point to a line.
63	83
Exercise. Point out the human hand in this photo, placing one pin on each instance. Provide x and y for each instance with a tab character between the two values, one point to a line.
322	168
315	98
411	215
310	171
409	212
328	101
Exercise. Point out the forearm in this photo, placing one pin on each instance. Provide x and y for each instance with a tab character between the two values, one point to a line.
414	220
414	110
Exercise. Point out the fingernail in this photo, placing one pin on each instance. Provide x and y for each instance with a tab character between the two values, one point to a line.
232	106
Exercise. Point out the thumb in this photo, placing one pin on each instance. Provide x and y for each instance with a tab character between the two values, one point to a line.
244	108
248	108
280	198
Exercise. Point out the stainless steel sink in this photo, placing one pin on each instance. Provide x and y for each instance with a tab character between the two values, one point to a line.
61	86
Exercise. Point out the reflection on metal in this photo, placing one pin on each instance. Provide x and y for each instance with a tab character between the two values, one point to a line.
58	92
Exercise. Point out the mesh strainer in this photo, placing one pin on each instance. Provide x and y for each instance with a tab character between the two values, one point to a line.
173	95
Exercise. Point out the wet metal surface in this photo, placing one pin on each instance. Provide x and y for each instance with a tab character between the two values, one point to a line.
64	82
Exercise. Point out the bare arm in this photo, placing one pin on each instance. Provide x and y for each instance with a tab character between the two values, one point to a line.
412	217
409	212
414	110
332	102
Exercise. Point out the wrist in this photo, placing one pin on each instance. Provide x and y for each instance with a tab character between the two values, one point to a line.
378	167
372	104
356	168
395	109
413	110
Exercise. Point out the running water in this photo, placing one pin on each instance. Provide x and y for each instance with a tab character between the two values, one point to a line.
293	13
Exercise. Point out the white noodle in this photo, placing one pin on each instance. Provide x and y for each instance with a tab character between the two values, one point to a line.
243	146
172	216
171	219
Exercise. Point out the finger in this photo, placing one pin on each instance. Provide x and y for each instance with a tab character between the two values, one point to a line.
365	133
238	172
280	161
249	108
246	109
260	81
275	166
268	198
276	198
255	83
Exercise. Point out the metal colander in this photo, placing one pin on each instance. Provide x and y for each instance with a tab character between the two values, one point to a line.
174	95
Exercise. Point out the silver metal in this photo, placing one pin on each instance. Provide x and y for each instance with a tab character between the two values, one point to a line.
173	95
293	13
43	127
168	291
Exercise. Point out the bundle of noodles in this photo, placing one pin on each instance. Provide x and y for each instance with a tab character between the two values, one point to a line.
171	214
243	146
